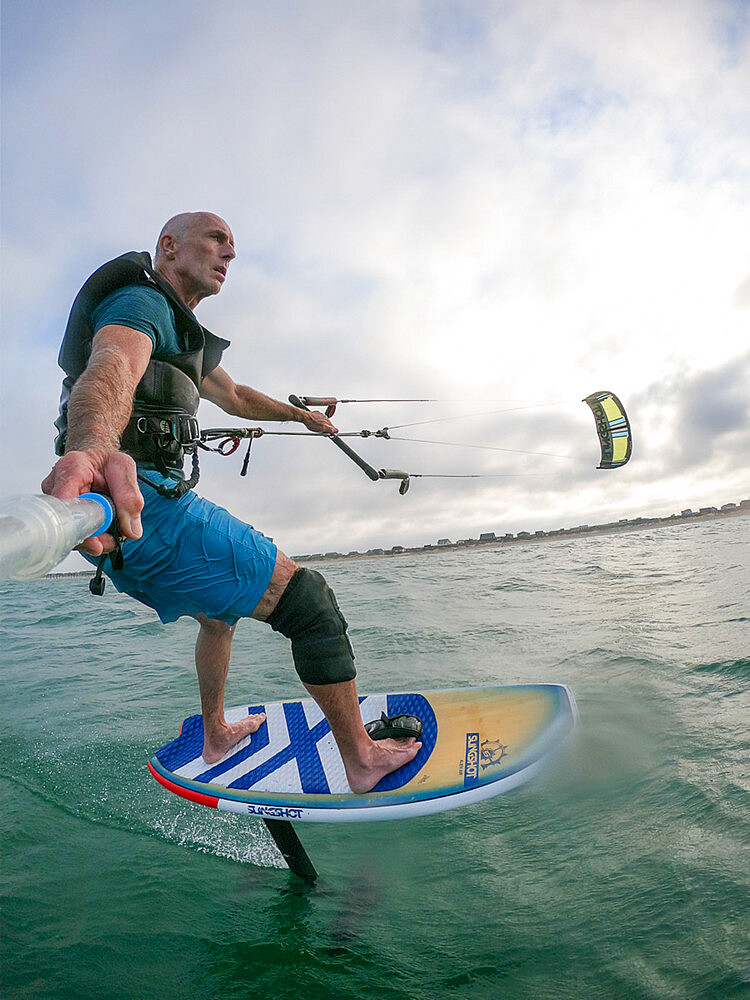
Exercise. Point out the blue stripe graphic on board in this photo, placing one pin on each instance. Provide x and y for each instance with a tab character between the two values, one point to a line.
304	750
189	746
258	742
411	704
305	742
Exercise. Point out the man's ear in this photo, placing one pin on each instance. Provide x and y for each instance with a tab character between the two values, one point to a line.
168	246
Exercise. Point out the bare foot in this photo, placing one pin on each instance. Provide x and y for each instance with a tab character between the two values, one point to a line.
382	757
221	740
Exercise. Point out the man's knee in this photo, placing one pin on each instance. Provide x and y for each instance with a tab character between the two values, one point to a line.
308	614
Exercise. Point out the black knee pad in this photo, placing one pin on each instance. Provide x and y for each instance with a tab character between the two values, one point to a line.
307	613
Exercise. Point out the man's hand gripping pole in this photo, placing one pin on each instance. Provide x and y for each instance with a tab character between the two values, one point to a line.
357	459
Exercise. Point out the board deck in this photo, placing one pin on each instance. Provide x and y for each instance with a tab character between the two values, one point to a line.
476	743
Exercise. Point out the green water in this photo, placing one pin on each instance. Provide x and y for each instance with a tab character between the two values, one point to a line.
621	872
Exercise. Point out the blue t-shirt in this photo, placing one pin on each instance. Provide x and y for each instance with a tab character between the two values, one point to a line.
141	308
146	309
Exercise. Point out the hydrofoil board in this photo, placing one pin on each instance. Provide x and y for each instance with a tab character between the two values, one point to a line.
476	743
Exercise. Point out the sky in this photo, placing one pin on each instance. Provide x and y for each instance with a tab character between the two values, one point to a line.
500	205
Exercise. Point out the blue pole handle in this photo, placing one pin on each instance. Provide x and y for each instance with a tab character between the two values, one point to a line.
104	503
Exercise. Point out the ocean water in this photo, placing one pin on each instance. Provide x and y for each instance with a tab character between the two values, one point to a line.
621	872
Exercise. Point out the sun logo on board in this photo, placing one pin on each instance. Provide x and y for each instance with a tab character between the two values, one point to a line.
492	752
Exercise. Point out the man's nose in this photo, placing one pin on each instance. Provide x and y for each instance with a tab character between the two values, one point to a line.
228	252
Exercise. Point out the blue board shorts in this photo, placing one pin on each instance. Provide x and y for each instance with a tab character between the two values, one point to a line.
193	557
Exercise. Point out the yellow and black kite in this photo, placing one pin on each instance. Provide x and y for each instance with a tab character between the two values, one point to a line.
613	428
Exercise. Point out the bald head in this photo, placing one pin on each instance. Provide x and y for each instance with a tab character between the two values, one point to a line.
194	253
180	227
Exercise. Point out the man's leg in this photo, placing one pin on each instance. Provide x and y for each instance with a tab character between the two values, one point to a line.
365	761
212	650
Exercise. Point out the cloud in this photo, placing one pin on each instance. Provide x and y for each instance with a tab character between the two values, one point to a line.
741	297
696	424
717	403
480	202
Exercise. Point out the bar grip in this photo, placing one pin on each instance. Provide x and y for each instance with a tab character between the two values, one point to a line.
364	466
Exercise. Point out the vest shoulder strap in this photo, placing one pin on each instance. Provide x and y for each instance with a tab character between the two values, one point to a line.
128	269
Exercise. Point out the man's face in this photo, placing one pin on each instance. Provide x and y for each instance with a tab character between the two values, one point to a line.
202	256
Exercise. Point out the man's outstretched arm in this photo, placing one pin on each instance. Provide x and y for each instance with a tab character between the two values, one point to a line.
98	411
242	401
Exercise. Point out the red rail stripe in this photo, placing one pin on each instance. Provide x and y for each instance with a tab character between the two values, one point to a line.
186	793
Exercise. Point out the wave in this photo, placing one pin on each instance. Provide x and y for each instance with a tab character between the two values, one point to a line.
738	667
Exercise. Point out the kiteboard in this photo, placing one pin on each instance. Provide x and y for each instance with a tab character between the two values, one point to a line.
476	743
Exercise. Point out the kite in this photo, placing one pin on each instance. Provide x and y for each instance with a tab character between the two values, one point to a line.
613	428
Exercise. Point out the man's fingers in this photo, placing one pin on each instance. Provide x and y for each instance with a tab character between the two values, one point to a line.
112	473
48	483
67	481
319	422
96	546
122	484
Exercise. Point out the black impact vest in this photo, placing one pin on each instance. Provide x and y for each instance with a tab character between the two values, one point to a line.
162	424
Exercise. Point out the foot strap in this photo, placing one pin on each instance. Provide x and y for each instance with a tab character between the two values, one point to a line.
394	727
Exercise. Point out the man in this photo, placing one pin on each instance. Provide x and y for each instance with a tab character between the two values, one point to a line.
136	360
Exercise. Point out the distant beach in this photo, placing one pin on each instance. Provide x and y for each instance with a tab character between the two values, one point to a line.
491	540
